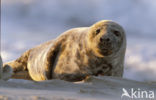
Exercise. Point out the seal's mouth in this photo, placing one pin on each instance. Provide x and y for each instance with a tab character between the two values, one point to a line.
106	52
106	49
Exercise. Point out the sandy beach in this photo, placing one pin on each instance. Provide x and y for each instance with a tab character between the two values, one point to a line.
93	88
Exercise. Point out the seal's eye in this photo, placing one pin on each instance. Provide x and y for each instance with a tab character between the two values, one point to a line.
117	33
98	31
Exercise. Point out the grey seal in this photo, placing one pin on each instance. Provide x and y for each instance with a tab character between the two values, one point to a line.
76	54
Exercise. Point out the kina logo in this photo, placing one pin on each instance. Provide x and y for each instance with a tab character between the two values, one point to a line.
137	93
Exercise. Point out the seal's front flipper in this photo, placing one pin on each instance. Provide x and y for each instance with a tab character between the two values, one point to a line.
42	60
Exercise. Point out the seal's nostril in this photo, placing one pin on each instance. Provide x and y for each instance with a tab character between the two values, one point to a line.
107	39
104	40
101	39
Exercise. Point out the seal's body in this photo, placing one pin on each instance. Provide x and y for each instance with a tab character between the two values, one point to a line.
77	53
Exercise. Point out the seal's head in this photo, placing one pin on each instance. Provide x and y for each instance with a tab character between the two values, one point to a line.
106	37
